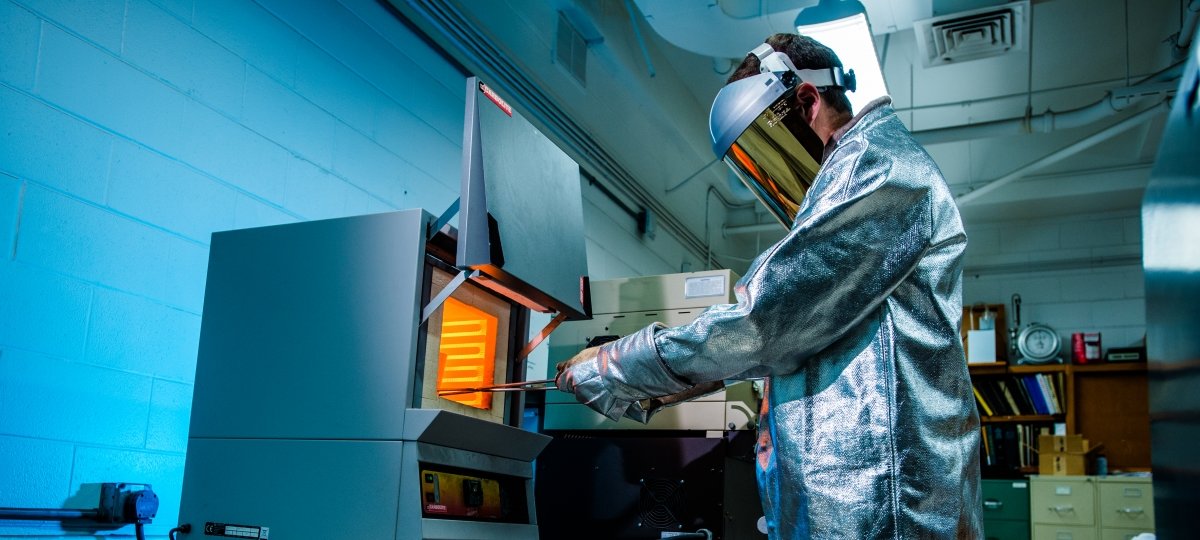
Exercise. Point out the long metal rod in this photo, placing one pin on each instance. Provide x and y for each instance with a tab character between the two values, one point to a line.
1063	153
47	514
527	386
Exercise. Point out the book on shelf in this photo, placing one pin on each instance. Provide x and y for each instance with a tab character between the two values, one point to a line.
984	408
1007	449
1008	397
1035	393
1026	400
1026	395
995	398
1051	396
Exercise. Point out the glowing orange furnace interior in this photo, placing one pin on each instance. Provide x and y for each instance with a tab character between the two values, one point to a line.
466	353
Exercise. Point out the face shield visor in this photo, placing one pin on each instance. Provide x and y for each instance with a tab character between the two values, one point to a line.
758	128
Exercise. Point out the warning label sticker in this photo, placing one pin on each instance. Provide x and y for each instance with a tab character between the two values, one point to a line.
236	531
491	94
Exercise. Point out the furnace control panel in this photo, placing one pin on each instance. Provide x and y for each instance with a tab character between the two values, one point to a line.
463	495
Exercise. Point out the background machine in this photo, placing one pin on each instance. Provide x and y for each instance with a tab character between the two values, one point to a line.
689	471
327	347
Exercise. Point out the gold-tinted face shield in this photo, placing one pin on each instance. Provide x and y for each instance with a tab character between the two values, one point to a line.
777	157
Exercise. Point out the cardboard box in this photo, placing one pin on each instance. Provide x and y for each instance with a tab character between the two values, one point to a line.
1064	455
1062	444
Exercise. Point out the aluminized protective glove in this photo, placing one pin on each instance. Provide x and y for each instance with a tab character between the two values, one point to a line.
585	374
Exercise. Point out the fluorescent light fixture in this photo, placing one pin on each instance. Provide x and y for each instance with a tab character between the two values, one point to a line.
842	26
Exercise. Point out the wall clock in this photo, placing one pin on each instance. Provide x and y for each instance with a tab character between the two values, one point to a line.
1038	344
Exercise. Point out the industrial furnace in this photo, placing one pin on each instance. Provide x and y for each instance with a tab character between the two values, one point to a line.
325	401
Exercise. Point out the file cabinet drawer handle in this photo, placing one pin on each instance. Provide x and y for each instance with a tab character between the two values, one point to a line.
1064	536
992	504
1131	511
1062	508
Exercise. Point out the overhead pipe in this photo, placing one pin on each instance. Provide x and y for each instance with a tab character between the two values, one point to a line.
1169	74
1187	28
731	230
1113	102
1063	153
637	33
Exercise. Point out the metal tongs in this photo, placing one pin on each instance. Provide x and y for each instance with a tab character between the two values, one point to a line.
530	386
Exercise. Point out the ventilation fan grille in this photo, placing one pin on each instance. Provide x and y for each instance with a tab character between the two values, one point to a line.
973	34
661	503
570	49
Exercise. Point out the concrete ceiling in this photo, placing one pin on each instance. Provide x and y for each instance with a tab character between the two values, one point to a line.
646	99
1080	49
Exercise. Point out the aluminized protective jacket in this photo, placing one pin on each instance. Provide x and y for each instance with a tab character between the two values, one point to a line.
868	427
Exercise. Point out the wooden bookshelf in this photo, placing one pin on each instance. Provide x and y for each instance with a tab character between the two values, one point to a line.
1023	369
1026	418
1108	368
1107	403
990	368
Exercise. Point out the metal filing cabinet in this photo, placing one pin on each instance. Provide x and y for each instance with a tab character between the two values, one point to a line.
1126	507
1005	509
1090	508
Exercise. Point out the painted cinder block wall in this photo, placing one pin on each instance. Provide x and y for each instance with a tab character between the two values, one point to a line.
132	129
1075	273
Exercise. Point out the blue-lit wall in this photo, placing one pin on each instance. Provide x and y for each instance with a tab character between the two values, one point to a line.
129	131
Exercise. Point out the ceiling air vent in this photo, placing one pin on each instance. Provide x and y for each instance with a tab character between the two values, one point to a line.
974	34
570	50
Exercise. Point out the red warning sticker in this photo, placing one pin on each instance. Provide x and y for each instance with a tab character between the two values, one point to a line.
491	94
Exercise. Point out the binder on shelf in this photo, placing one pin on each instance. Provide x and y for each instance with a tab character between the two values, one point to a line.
1035	392
1008	397
1048	391
983	404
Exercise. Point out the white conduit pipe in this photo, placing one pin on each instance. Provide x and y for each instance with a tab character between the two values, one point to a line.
774	226
1187	29
1063	153
1048	121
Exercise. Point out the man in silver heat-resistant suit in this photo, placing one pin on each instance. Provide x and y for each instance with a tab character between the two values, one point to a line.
868	427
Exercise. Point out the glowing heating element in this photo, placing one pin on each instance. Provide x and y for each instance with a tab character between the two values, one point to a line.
466	352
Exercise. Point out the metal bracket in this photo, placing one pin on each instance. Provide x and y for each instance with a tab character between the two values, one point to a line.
443	219
446	292
541	336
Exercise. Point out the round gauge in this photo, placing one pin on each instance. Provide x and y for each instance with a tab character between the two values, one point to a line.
1039	344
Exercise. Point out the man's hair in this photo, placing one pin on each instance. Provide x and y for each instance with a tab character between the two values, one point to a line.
805	53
